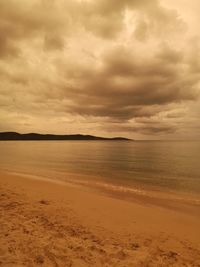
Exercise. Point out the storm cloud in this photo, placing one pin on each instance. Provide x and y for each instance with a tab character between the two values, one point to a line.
100	67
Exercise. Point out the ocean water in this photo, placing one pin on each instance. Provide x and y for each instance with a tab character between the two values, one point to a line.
172	166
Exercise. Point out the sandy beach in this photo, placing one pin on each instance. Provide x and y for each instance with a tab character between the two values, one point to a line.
48	224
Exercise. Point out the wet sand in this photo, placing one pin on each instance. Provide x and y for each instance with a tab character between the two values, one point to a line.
49	224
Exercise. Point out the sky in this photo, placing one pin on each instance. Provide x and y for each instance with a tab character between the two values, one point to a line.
102	67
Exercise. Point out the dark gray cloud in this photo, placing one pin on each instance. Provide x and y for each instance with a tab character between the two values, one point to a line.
124	88
155	129
53	20
121	65
24	20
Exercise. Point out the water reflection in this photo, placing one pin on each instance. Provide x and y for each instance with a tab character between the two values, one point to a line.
171	165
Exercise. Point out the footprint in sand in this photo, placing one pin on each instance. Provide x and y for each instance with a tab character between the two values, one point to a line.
44	202
39	259
134	246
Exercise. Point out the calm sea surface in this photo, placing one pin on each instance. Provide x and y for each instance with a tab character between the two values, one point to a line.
168	165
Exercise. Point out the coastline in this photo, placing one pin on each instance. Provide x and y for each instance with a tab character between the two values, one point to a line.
63	225
184	202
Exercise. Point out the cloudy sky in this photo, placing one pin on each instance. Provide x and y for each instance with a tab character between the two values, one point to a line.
102	67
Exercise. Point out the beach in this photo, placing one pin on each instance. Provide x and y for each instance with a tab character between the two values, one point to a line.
99	133
44	223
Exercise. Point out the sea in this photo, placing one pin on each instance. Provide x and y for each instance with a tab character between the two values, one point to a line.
119	166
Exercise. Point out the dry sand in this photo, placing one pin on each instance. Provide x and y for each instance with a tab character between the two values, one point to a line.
47	224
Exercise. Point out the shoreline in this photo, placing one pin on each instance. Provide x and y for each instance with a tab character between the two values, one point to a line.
142	194
90	229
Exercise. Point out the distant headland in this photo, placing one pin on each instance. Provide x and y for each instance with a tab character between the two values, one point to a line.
14	136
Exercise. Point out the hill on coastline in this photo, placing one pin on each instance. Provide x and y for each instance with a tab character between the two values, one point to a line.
6	136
